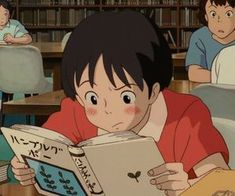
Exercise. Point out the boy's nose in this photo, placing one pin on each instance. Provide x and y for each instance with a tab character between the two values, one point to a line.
219	18
107	109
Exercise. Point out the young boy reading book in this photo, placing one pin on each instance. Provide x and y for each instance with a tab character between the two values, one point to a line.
11	31
116	68
218	16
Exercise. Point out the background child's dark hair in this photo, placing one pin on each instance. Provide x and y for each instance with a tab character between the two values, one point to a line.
6	4
127	40
202	8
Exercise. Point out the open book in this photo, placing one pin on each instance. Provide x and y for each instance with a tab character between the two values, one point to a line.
111	164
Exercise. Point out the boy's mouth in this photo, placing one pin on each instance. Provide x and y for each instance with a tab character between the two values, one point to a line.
117	124
221	31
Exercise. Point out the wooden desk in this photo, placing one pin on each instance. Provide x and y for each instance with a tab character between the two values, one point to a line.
44	104
178	59
49	49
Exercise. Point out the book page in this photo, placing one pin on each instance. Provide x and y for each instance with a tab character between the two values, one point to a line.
119	136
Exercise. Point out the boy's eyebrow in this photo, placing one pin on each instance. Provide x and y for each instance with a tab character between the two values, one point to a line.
228	6
213	6
132	84
86	82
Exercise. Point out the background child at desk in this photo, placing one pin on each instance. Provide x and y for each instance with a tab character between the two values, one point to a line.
11	31
218	16
116	68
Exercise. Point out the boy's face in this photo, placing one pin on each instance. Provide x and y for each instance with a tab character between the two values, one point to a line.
4	16
221	19
112	108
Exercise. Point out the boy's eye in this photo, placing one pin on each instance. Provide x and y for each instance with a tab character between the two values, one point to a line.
229	14
91	97
213	13
128	97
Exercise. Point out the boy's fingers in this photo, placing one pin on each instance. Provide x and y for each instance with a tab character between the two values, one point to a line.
173	186
166	167
165	178
172	193
25	177
18	165
20	172
28	182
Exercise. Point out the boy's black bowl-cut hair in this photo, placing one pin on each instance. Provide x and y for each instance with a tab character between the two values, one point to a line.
127	40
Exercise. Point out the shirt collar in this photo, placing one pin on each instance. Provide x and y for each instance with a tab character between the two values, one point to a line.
157	119
8	24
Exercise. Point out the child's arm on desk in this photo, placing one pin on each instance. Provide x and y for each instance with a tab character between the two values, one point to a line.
25	39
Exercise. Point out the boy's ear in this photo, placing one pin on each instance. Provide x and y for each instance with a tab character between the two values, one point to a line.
155	92
80	100
206	17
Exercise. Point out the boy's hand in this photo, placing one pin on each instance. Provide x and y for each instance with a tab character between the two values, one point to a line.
8	38
174	181
22	173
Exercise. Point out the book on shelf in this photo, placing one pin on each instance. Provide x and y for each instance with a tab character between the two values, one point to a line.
165	17
54	18
109	164
3	171
171	38
58	2
189	17
48	36
140	2
185	38
189	2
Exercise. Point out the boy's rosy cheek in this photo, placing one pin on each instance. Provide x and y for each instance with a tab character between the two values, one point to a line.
91	111
132	110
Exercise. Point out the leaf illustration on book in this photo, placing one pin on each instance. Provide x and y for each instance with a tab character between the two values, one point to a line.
42	168
60	174
46	178
62	181
52	182
131	175
66	184
43	174
135	176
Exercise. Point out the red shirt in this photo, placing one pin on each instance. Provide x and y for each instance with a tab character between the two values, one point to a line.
188	135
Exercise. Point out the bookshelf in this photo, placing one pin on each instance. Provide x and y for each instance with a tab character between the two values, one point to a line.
50	20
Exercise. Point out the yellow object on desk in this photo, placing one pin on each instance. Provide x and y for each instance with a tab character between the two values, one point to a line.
216	183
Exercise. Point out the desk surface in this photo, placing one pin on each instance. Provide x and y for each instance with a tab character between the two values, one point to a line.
49	49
